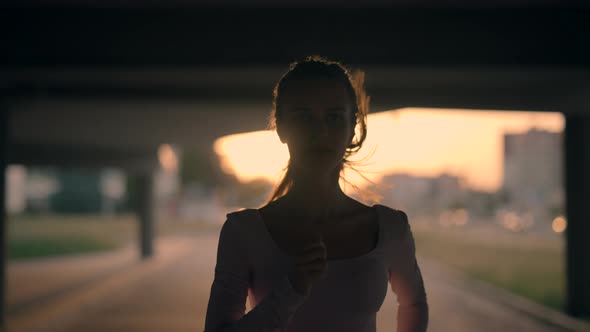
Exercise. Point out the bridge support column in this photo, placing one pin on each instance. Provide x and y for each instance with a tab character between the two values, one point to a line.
4	141
577	188
146	212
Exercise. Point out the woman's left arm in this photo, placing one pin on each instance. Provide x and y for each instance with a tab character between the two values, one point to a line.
406	281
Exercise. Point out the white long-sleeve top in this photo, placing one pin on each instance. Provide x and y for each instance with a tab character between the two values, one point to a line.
346	299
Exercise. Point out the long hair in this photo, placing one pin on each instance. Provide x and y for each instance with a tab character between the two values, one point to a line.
317	67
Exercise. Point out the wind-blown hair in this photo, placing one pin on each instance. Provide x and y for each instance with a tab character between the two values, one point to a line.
317	67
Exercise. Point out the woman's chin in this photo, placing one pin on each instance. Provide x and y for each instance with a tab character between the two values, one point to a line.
319	165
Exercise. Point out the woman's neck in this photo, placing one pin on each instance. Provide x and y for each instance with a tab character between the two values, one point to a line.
316	195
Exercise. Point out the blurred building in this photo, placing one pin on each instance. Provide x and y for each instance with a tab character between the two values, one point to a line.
421	195
48	189
447	192
16	180
39	184
201	203
533	170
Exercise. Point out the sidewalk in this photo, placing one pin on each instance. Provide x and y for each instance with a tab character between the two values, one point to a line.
37	281
47	293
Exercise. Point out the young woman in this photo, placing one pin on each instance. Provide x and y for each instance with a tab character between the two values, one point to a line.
313	258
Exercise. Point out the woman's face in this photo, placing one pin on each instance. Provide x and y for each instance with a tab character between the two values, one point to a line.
317	123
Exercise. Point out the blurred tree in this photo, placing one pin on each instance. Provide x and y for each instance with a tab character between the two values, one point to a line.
199	166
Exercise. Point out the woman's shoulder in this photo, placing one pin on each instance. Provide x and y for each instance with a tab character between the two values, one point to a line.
237	221
241	214
241	217
395	221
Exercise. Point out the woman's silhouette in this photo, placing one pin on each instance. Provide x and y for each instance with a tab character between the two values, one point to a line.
313	258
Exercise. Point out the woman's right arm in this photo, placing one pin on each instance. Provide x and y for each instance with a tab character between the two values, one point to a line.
227	301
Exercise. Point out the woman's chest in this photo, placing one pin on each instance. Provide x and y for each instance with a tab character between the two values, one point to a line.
354	285
357	285
357	238
345	238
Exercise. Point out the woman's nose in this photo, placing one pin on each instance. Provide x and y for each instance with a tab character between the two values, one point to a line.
324	128
321	127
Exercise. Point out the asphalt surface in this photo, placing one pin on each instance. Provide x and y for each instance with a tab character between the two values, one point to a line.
117	292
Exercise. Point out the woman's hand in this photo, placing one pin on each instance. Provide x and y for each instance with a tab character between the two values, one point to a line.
309	258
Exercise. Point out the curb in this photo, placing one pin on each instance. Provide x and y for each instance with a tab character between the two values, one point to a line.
516	302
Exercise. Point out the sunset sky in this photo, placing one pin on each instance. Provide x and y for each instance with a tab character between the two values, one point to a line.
418	141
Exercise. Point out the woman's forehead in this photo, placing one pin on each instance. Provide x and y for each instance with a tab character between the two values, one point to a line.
319	92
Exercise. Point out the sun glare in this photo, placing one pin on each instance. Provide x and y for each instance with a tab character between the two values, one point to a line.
258	154
423	142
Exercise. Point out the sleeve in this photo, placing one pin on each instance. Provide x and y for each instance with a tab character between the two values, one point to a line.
406	280
227	301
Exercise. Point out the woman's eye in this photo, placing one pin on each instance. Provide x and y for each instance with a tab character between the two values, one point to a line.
334	117
303	117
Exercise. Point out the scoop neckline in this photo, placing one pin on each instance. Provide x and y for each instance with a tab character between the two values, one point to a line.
331	260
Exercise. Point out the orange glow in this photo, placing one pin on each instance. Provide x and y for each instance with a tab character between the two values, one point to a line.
167	157
559	224
258	154
458	217
418	141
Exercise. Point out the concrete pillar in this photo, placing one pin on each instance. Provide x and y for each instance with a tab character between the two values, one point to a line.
577	188
4	136
146	211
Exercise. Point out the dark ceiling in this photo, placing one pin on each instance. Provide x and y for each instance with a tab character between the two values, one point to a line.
198	34
174	59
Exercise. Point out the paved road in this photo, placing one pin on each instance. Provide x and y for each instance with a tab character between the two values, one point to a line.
171	295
